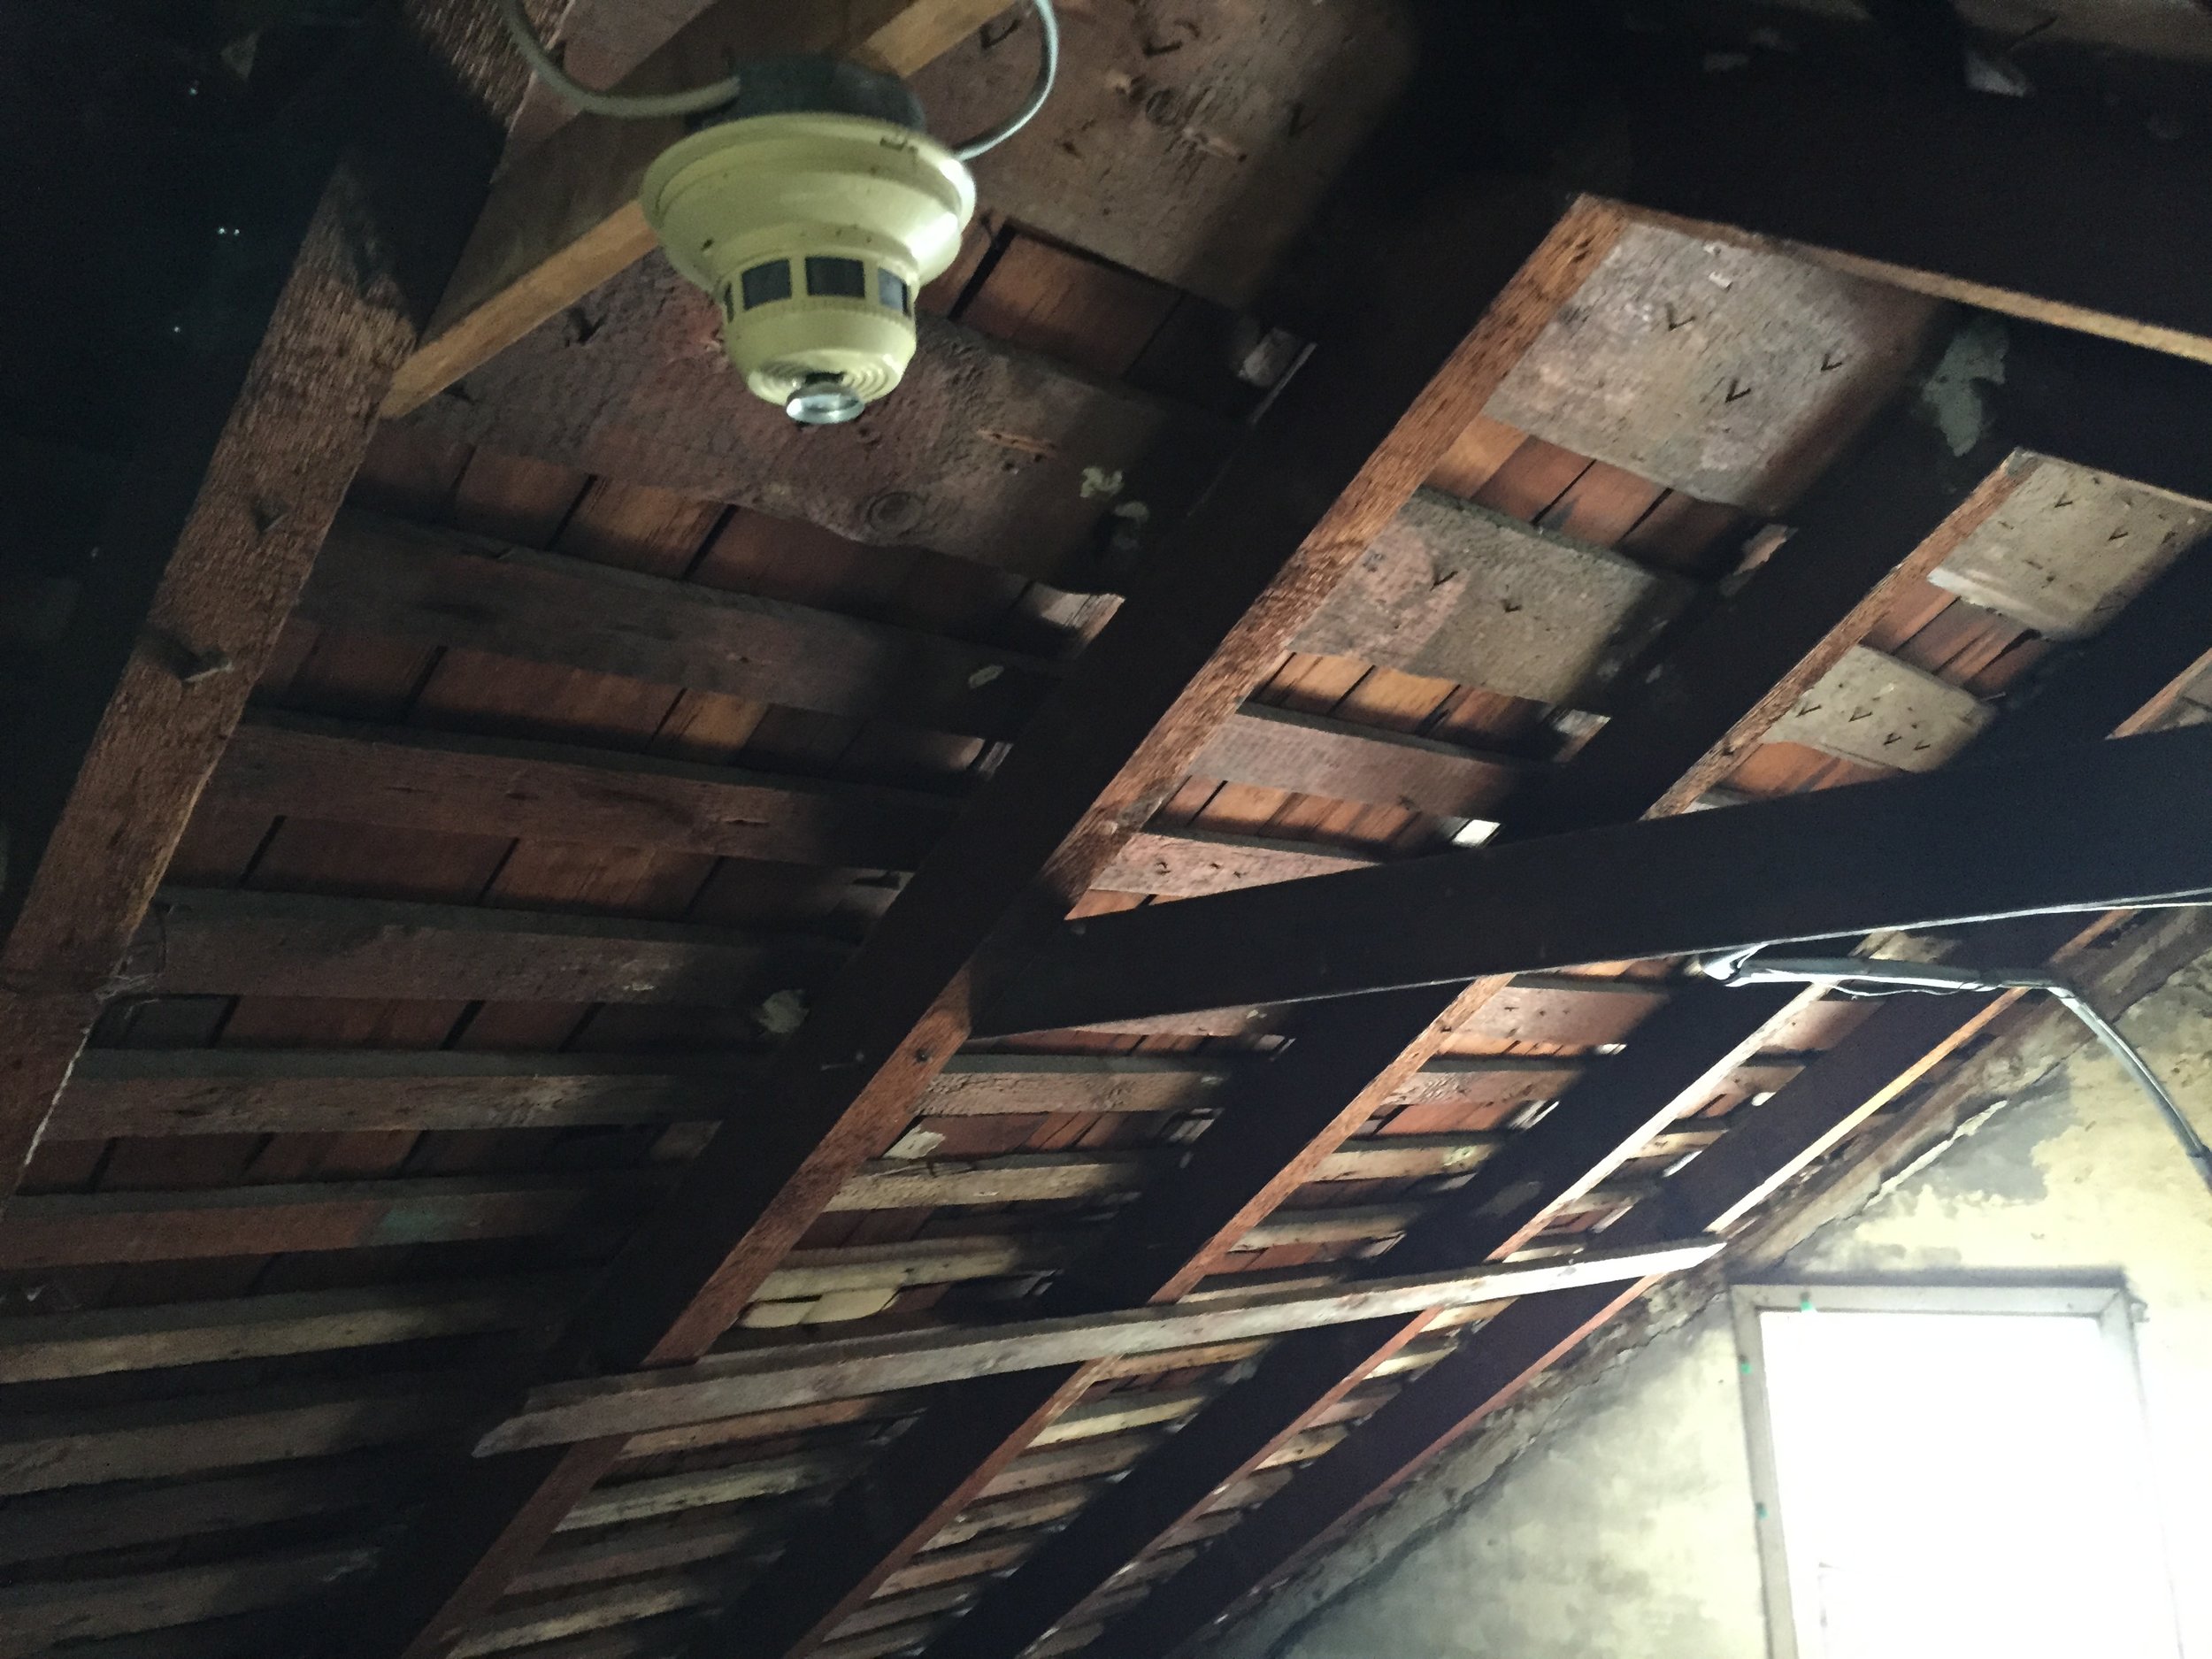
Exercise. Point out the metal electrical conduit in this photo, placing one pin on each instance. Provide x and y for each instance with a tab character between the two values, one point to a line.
1878	977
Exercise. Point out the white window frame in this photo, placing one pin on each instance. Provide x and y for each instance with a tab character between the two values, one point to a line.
2110	1303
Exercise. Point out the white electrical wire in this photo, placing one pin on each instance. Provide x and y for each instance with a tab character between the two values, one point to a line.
640	106
630	106
1742	967
1048	72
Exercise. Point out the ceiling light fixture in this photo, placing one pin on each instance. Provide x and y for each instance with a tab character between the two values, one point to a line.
812	205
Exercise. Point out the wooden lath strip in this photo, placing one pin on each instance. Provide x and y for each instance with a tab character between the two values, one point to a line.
730	1387
216	1091
1359	429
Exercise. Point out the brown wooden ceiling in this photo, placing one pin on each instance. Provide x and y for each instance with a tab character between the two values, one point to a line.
466	1042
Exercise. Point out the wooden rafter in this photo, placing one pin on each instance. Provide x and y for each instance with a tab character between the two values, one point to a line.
213	531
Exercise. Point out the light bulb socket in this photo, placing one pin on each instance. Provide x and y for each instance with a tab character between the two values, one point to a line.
824	400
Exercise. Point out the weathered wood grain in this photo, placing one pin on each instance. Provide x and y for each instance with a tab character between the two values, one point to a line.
2070	548
986	451
218	942
1873	709
1461	593
1730	373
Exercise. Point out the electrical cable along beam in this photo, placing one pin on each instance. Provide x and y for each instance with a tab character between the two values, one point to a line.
2107	826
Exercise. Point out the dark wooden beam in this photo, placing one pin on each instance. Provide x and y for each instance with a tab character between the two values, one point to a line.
1369	417
2102	826
213	527
2051	213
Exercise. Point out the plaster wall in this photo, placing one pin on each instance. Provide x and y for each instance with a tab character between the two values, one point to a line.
1615	1518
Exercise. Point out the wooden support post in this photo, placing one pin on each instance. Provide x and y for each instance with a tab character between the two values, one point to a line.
213	529
1342	452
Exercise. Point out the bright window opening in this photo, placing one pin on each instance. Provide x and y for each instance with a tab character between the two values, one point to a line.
1945	1473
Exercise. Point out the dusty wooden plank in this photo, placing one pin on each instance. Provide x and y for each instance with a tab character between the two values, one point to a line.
1193	862
1280	748
728	1387
985	451
2070	548
220	942
1460	593
88	1344
212	1091
81	1229
40	1453
217	519
1035	1177
199	1091
1874	709
554	1619
82	1610
1192	150
565	218
387	576
281	765
1729	373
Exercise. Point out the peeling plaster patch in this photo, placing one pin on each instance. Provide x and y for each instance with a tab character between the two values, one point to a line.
1998	1161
